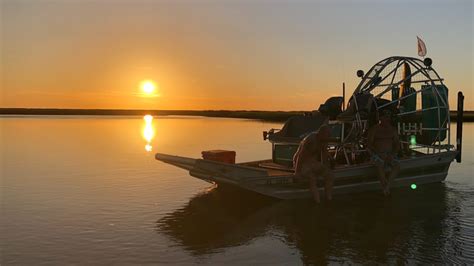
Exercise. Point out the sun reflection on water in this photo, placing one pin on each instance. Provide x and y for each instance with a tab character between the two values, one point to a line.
148	132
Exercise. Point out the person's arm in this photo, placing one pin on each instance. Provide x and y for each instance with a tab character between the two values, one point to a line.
297	158
301	151
297	155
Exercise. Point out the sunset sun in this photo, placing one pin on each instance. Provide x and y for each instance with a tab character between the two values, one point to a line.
148	87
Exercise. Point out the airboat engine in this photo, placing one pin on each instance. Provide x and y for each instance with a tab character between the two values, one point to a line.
408	87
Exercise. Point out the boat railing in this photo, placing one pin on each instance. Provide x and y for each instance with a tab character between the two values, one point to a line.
404	87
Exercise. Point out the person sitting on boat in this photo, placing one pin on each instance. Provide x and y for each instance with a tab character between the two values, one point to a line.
383	146
311	161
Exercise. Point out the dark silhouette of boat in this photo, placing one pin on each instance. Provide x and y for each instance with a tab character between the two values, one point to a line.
418	100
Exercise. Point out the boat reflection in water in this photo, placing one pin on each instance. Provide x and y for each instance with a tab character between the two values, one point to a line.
148	132
410	227
216	219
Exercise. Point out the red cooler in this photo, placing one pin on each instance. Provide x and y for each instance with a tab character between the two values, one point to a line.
219	156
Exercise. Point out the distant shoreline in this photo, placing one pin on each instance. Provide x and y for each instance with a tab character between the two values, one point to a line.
274	116
277	116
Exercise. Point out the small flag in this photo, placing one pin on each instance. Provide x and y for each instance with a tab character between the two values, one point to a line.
421	47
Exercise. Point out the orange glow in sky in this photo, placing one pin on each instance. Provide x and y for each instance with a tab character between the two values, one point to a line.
234	55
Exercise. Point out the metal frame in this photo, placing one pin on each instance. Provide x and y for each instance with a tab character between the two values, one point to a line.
352	140
423	74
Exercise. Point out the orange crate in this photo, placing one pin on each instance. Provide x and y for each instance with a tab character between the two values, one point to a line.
219	156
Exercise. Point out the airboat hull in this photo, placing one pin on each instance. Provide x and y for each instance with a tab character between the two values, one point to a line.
278	183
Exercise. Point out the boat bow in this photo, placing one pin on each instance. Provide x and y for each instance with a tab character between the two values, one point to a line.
213	171
178	161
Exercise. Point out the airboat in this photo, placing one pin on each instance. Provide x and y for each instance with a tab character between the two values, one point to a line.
417	99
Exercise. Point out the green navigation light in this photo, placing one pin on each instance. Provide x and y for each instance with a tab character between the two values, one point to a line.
413	186
413	140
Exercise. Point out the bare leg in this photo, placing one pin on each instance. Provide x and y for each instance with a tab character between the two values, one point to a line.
328	179
381	174
392	175
314	188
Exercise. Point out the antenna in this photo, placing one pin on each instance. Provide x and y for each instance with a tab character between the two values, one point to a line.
343	96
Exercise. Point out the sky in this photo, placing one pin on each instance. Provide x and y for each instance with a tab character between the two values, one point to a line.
237	55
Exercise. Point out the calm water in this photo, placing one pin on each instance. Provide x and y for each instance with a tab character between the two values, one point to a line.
87	190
